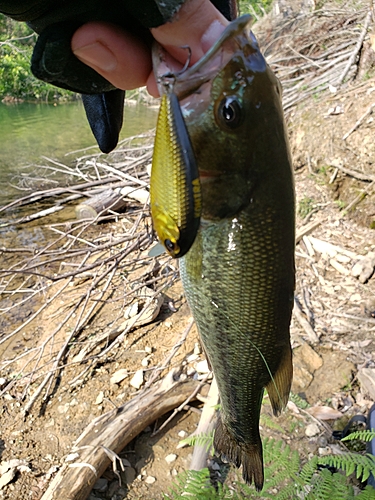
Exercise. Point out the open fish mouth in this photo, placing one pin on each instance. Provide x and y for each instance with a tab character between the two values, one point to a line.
193	85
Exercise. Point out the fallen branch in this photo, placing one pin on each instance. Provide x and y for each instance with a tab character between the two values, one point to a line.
357	175
362	195
207	423
358	122
113	431
297	311
357	48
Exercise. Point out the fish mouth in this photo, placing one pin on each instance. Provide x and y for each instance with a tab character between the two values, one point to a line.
235	35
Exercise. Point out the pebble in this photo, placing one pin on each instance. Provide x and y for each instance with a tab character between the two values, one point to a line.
312	430
324	451
150	480
129	475
192	357
118	376
182	434
99	399
3	381
101	484
145	362
190	371
202	367
170	458
197	348
7	477
63	408
137	379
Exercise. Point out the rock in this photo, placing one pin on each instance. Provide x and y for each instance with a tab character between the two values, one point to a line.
7	477
197	348
306	361
312	430
323	452
150	480
335	373
145	362
129	475
182	434
118	376
137	379
308	357
101	484
63	408
302	378
170	458
99	399
364	268
366	377
202	366
192	357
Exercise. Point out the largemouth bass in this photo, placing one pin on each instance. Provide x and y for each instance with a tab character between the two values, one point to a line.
238	275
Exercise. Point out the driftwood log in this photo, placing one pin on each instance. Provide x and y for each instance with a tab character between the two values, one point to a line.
108	435
207	424
107	201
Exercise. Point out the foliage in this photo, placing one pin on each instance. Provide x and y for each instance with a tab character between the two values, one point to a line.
298	401
363	435
321	478
259	7
206	441
305	206
16	80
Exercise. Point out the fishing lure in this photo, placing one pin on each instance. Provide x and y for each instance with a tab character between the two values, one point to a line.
175	192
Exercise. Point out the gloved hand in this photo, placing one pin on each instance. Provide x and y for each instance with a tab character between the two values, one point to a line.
53	61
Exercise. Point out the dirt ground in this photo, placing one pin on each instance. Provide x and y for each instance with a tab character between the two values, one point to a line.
330	370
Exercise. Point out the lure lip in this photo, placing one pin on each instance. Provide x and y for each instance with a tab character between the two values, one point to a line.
199	73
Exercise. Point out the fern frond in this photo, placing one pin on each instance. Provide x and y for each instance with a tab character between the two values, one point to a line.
361	465
269	422
298	401
194	484
206	441
367	494
328	486
363	435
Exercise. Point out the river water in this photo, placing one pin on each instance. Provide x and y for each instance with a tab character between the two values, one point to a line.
29	131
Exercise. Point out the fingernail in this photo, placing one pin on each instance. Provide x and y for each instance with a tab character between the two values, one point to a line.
98	55
212	34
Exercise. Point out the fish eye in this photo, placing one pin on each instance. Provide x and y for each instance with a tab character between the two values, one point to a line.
170	246
229	112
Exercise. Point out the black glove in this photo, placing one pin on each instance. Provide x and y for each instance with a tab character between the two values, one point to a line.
53	61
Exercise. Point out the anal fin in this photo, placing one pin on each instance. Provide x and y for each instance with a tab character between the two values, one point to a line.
279	387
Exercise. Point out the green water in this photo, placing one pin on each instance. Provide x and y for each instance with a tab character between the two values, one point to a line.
29	131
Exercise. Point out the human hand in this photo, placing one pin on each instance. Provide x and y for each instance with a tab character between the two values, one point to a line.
125	60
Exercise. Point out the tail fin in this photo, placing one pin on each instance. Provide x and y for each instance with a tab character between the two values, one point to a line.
250	456
279	387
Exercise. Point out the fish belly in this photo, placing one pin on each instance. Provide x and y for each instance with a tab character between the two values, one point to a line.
239	280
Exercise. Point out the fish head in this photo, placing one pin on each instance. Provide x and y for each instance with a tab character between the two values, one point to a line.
231	103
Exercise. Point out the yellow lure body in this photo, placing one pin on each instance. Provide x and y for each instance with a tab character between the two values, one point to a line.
175	192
